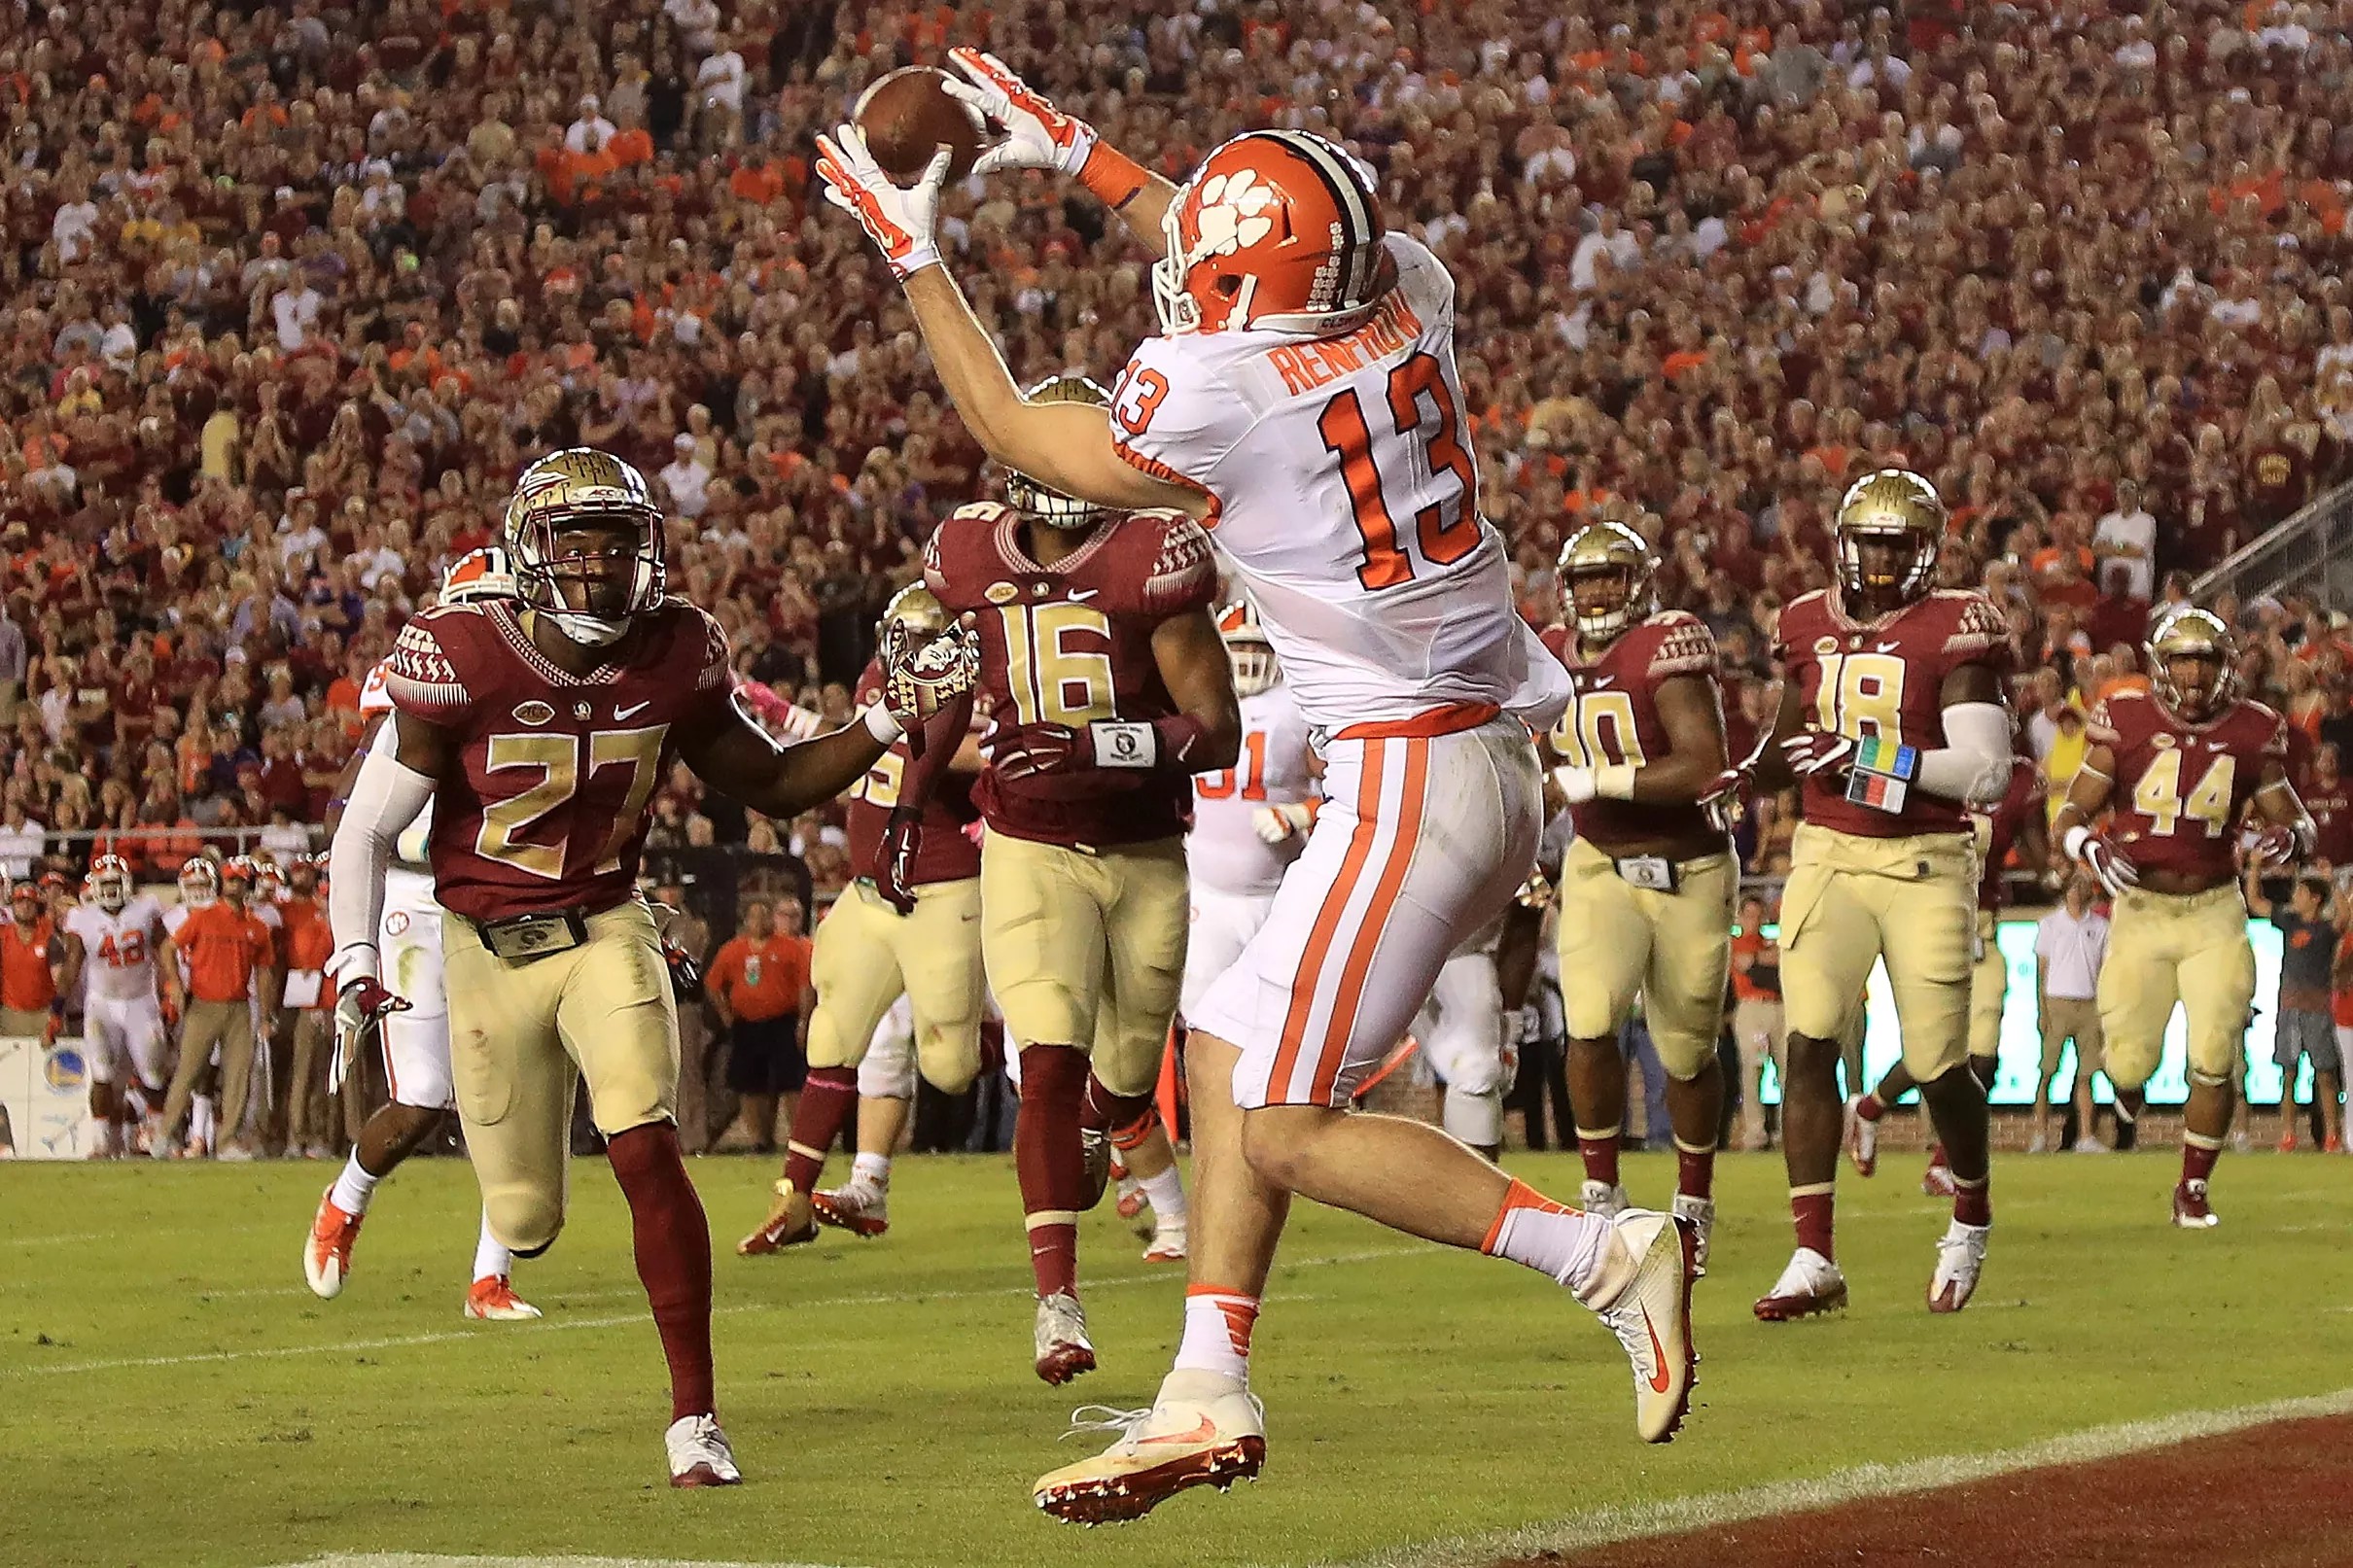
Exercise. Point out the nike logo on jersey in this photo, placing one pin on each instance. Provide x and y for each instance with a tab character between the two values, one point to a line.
1603	681
1080	595
1889	647
623	715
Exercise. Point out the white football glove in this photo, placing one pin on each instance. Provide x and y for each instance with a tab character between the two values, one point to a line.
901	224
1037	135
1275	823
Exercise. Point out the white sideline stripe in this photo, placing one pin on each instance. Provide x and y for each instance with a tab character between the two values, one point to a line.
1863	1482
619	1320
421	1560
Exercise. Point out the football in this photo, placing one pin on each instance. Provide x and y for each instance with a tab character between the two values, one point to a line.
907	117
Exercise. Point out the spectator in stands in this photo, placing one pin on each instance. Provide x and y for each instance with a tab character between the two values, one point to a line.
2070	945
758	985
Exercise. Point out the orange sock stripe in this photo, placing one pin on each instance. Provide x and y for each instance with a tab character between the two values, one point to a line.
1519	1195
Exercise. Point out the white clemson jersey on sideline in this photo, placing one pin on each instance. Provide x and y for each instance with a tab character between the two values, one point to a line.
407	884
1347	501
1224	852
120	947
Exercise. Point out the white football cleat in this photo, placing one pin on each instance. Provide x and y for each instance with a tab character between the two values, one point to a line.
1204	1429
1651	1316
492	1299
327	1249
699	1455
1603	1199
2190	1210
1168	1243
1959	1258
1862	1139
1059	1336
2088	1144
859	1207
1702	1213
1810	1284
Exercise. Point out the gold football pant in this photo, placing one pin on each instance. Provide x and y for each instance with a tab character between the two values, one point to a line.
2167	946
1852	902
1670	949
867	955
522	1036
1087	949
1988	988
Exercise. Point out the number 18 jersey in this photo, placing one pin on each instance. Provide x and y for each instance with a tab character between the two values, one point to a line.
1885	678
1344	494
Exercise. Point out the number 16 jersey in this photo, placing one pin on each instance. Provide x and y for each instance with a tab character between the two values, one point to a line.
1344	492
1885	678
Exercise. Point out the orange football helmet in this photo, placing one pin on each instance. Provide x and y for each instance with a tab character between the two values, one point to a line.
1278	229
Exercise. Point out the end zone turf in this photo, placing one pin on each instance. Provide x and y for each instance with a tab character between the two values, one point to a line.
175	1395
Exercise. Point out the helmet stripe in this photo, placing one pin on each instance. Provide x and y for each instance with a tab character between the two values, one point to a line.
1348	197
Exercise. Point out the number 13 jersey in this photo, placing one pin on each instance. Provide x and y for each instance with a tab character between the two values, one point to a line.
546	807
1344	492
1885	678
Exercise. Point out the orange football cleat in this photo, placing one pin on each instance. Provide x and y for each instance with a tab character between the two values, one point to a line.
327	1253
492	1299
790	1223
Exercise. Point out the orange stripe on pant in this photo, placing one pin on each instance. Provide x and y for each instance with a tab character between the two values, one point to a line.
1343	1021
1327	924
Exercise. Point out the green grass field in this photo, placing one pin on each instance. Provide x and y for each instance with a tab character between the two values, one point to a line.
170	1393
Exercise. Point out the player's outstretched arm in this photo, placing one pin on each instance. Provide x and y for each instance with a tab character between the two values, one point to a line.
736	758
1204	733
1768	766
1039	136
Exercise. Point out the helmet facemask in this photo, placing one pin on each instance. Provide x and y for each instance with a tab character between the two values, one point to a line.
585	541
1255	669
1899	577
1602	615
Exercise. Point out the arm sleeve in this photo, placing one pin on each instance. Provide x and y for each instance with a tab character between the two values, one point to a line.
1974	763
385	798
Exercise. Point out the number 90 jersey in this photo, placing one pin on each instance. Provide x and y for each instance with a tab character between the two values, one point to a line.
546	806
1069	644
1345	496
1613	718
1885	679
2180	786
944	853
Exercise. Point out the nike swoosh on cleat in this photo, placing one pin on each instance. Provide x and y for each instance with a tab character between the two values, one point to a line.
1205	1432
1659	1379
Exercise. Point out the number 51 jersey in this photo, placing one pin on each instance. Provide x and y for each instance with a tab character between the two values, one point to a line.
1885	678
546	807
1344	492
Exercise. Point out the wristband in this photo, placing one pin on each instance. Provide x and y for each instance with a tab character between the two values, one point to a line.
1614	782
884	725
1578	784
1114	177
1889	759
2072	842
354	960
1124	744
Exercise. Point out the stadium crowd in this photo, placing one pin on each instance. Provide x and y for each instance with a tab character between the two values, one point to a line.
297	288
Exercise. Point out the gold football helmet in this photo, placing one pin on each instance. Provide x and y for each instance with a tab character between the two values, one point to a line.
1049	506
914	611
1247	648
561	507
1891	507
2197	641
1596	557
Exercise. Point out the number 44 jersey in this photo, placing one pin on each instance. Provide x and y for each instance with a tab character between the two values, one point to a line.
546	807
1344	491
1071	645
2180	788
1885	678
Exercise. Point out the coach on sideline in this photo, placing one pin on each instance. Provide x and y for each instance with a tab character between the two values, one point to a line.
2070	944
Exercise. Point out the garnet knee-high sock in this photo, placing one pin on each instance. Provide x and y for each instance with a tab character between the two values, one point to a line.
1102	1111
672	1257
827	1099
1049	1162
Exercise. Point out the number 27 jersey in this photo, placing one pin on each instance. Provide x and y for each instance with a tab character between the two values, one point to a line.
1345	495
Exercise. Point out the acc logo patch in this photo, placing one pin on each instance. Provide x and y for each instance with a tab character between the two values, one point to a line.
63	1068
1000	593
2162	741
534	712
398	921
1825	645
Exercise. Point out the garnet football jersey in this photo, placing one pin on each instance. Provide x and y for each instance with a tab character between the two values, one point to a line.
1224	851
1072	643
2332	812
118	950
1997	829
1885	678
1612	719
945	853
2180	786
1347	498
546	807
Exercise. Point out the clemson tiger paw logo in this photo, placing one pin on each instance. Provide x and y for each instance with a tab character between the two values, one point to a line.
1234	212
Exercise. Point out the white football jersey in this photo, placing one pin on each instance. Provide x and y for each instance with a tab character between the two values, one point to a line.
1344	496
118	950
407	884
1224	851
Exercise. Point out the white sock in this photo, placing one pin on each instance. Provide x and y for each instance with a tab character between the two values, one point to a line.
874	1169
202	1120
1218	1325
491	1261
354	1187
1568	1244
1166	1194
